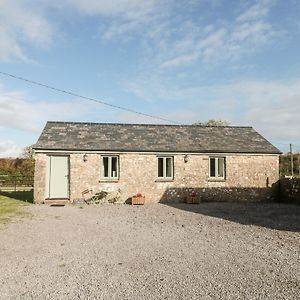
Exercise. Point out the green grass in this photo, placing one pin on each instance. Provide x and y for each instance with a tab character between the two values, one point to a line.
12	205
26	196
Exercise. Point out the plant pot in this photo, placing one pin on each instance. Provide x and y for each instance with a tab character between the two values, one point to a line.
138	200
193	199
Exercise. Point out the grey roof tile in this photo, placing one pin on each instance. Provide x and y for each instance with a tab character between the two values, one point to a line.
152	138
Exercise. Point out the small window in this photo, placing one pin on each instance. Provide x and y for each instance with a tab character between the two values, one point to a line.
165	167
217	167
109	167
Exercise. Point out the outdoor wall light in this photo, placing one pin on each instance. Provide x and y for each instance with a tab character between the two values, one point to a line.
186	158
84	157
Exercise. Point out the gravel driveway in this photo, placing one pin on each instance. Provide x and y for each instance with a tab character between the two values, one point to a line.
206	251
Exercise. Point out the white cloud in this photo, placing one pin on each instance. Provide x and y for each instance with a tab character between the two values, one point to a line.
256	11
9	46
122	16
274	106
176	38
182	60
222	42
126	17
271	106
22	24
18	113
25	23
130	8
22	120
9	148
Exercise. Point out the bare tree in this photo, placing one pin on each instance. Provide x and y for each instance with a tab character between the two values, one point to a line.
27	152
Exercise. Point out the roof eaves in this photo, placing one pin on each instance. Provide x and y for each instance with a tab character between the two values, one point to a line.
151	151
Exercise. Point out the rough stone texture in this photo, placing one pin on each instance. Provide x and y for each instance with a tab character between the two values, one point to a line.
290	190
208	251
40	177
248	178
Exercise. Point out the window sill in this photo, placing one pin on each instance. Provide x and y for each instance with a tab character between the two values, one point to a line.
108	180
164	180
216	179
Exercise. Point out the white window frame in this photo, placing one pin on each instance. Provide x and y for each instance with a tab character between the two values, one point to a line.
165	177
109	177
217	177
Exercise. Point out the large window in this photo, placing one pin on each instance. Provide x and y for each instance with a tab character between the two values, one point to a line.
217	167
109	167
165	167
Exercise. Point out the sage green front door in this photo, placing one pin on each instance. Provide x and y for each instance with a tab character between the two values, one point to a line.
58	177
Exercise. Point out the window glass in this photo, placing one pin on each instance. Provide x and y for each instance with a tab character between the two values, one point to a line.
165	167
220	167
160	167
114	166
105	166
217	167
110	167
212	167
168	167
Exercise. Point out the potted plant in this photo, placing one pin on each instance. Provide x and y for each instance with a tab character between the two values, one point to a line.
193	198
138	199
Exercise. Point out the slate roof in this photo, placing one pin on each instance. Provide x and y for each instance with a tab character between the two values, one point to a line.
152	138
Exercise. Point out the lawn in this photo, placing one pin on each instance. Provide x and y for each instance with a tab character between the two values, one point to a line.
12	204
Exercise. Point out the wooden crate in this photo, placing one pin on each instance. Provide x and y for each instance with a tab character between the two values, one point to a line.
138	200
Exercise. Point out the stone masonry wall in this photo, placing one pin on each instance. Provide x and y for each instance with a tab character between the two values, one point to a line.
248	178
40	177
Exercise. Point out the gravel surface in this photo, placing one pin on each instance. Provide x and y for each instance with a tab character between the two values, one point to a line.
206	251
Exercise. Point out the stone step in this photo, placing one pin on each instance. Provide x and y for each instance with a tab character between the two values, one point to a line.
56	202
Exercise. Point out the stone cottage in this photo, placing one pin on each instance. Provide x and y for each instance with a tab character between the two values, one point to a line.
162	162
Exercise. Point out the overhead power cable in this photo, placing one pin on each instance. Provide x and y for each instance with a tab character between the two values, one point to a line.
88	98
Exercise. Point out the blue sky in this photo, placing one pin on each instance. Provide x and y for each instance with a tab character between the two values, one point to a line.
184	60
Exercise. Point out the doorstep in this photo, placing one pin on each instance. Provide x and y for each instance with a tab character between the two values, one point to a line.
57	201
